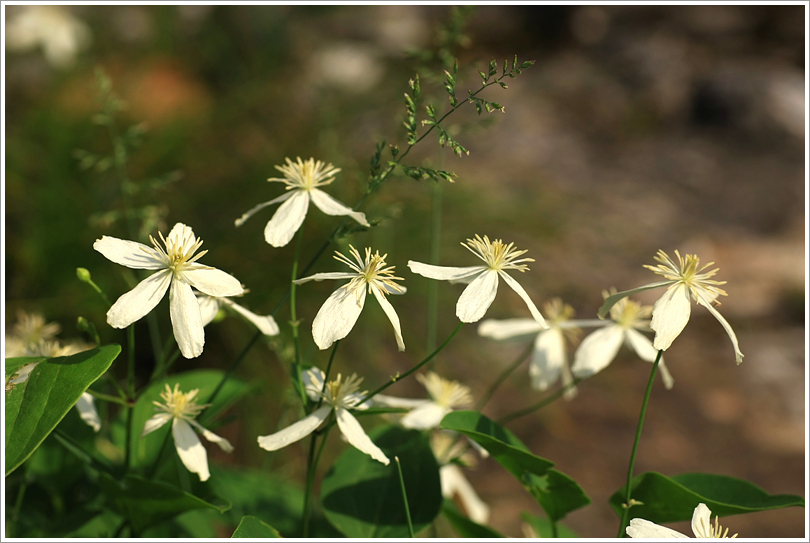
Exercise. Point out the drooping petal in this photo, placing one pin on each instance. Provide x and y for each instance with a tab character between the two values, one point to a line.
265	323
128	253
523	294
157	421
287	219
299	430
190	449
392	316
186	319
597	351
453	482
670	315
330	206
241	220
509	328
325	276
213	282
337	316
611	300
644	529
446	273
355	435
223	443
139	301
209	307
702	521
726	326
425	417
477	297
87	411
548	359
645	350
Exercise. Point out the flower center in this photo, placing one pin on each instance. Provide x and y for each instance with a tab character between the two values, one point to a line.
371	271
713	531
179	404
496	254
687	272
629	314
178	253
449	394
337	391
306	175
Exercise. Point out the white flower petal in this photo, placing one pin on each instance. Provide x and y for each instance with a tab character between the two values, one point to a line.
446	273
313	382
381	400
265	323
611	300
190	449
509	328
330	206
453	482
645	350
128	253
139	301
392	316
181	234
213	282
299	430
425	417
644	529
241	220
702	521
186	319
287	219
548	359
209	307
523	294
737	353
223	443
597	351
355	435
477	297
87	411
157	421
670	315
336	317
325	276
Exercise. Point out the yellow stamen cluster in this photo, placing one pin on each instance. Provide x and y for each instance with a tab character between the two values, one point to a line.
306	175
179	404
557	313
371	271
496	254
447	448
686	272
178	256
710	531
629	314
31	328
446	393
337	391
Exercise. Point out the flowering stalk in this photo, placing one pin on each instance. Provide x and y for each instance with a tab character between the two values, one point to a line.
627	501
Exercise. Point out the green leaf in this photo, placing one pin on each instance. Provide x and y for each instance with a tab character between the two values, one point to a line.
362	497
13	364
35	407
558	494
463	525
504	447
673	499
145	503
543	528
250	526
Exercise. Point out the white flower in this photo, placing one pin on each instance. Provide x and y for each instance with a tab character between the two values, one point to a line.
447	449
483	280
302	180
336	317
339	396
181	408
445	395
178	268
600	348
60	34
701	526
671	312
549	358
210	305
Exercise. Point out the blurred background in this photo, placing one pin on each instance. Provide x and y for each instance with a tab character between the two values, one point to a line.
638	129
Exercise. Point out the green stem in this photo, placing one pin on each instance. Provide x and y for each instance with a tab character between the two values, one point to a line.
554	532
108	397
312	467
502	377
627	501
230	371
404	497
399	377
295	370
541	404
326	375
98	290
128	449
117	387
433	286
130	391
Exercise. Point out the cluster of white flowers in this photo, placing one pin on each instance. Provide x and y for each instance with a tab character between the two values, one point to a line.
701	526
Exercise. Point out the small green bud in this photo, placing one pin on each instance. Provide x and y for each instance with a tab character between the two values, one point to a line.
83	274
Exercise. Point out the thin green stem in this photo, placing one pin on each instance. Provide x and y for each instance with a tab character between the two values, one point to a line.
404	497
554	532
130	391
15	514
326	374
108	397
312	467
399	377
295	370
502	377
628	502
541	404
230	371
95	287
128	448
116	386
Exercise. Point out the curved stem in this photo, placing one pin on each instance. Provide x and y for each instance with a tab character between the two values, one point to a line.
502	377
326	375
541	404
627	501
312	467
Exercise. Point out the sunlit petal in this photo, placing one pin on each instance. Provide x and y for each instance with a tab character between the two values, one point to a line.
297	431
509	328
355	435
265	323
186	319
670	315
477	297
330	206
337	316
190	449
241	220
213	282
726	326
425	417
454	483
139	301
644	529
128	253
445	273
597	351
287	220
514	285
392	316
548	359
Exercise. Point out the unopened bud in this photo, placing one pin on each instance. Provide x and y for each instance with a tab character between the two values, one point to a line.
83	274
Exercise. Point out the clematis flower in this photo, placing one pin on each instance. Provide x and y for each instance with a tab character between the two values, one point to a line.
53	28
445	395
448	451
671	312
600	348
338	396
339	313
483	280
177	267
549	358
210	306
302	180
182	408
701	526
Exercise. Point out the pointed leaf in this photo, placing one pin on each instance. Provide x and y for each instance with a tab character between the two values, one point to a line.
251	526
463	525
558	494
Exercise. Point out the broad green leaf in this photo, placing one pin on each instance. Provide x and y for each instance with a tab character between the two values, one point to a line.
144	503
250	526
463	525
558	494
543	527
13	364
672	499
502	444
35	407
363	498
